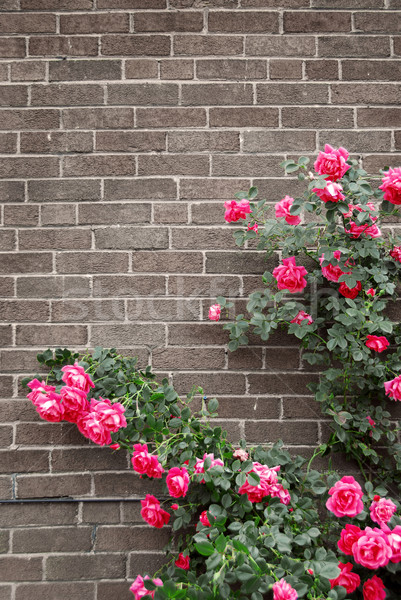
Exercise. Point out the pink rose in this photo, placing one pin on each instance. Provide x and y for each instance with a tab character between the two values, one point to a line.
174	507
253	227
204	519
382	510
74	403
236	210
177	482
371	292
141	458
345	498
268	478
92	427
112	415
214	312
350	292
371	421
241	454
39	390
182	562
115	446
154	469
396	253
200	464
278	491
333	272
49	407
139	590
372	549
346	579
393	388
391	185
290	276
377	343
373	589
349	536
332	163
283	591
394	541
75	376
330	193
370	230
152	513
302	316
283	210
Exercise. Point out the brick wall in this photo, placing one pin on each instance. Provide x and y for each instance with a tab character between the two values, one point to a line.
125	124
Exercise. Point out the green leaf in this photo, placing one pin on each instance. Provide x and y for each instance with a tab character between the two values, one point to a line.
213	405
220	543
204	548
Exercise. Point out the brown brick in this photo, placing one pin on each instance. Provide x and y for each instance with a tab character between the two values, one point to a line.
54	239
92	165
63	46
47	434
301	408
54	486
141	68
168	21
288	383
216	93
203	285
361	93
285	69
5	592
250	116
353	46
6	494
293	93
191	238
135	45
379	117
264	141
8	240
29	167
4	72
231	69
203	141
302	432
20	310
322	117
5	332
18	360
95	23
13	95
131	4
203	45
130	141
51	335
83	566
73	95
168	309
12	47
179	164
6	389
316	70
38	514
171	117
88	459
6	439
32	70
125	538
143	94
212	383
378	22
170	212
372	164
4	542
176	69
15	568
98	118
203	3
86	311
243	22
353	4
183	358
30	119
107	214
122	335
26	262
246	166
24	461
274	189
377	70
56	4
153	189
52	287
246	407
129	285
58	214
280	46
238	262
92	262
56	142
10	5
72	70
81	189
211	188
167	262
7	287
127	238
357	141
107	512
50	591
317	22
27	23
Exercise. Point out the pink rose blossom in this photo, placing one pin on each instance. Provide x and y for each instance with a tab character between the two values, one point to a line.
39	390
214	312
346	579
284	591
350	292
182	562
382	510
115	446
204	519
371	421
332	163
200	464
396	253
241	454
177	482
393	388
174	507
152	513
283	210
74	403
373	589
372	549
349	536
91	426
377	343
139	590
268	478
371	292
75	376
290	276
330	193
345	498
236	210
253	227
394	541
333	272
302	316
391	185
145	463
154	469
111	415
49	407
357	230
278	491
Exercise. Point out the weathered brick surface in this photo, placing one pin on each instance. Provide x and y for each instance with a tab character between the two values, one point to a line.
124	126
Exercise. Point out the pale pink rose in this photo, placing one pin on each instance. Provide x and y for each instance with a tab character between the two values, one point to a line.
373	589
283	210
333	272
139	590
40	390
348	292
349	536
112	415
391	185
152	512
394	541
49	407
74	403
253	227
372	549
332	163
75	376
348	580
393	388
214	312
268	474
241	454
330	193
177	482
377	343
396	253
92	427
284	591
236	210
345	498
182	562
204	519
302	316
371	292
199	466
278	491
290	276
382	510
